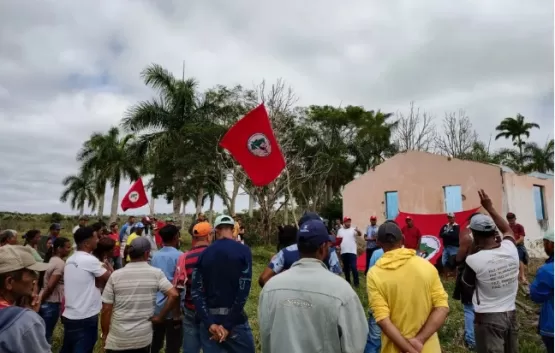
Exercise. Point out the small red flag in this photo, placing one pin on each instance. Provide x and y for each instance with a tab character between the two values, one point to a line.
135	197
252	143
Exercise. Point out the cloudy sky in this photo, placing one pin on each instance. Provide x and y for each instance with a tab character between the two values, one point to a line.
68	68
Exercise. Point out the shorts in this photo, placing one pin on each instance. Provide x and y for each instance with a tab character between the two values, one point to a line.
522	254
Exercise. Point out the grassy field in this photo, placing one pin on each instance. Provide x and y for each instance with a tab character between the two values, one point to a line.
451	335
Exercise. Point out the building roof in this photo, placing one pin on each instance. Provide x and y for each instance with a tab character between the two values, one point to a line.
541	175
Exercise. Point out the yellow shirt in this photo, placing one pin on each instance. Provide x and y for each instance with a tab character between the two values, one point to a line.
130	238
405	288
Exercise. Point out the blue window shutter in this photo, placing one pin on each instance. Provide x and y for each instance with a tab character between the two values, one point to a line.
453	198
538	202
391	204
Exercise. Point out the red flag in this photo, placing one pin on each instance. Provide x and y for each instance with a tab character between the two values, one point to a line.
430	224
252	143
135	197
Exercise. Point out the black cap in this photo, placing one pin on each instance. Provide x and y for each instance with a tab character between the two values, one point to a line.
389	233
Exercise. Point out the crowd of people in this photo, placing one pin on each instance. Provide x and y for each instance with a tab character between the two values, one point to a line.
146	294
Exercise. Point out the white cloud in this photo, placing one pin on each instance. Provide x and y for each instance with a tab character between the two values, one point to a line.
69	68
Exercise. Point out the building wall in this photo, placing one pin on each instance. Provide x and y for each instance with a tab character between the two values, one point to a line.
419	178
520	200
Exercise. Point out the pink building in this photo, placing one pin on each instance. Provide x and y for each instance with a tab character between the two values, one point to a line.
420	182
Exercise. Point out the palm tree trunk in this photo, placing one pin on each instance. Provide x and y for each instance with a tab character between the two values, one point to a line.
151	204
183	215
101	205
520	156
176	207
115	202
286	210
251	205
200	194
212	197
82	210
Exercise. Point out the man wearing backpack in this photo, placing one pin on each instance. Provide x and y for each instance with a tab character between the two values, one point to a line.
184	277
21	330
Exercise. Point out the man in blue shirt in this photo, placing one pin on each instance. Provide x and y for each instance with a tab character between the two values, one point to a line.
374	340
541	291
166	260
370	237
287	256
221	285
125	229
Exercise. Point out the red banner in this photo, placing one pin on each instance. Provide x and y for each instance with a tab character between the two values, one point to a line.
431	244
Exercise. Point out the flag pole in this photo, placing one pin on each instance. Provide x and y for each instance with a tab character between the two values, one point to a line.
290	193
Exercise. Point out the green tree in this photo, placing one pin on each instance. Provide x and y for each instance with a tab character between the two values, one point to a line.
111	159
516	129
537	158
79	190
175	129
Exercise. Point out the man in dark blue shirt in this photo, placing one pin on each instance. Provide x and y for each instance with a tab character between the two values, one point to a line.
220	289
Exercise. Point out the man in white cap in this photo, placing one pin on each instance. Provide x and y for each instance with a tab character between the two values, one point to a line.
220	289
491	275
21	330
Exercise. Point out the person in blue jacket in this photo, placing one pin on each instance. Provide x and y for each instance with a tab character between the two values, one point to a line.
541	291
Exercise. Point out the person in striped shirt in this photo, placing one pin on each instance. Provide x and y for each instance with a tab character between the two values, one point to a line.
191	324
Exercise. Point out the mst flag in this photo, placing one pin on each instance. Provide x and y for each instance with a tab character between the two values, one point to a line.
135	197
252	143
431	245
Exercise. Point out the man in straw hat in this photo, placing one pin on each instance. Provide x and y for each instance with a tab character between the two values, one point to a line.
22	330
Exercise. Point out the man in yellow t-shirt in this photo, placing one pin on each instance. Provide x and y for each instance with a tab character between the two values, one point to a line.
406	296
137	232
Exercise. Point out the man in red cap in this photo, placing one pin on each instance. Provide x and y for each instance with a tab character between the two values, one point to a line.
412	235
370	237
348	235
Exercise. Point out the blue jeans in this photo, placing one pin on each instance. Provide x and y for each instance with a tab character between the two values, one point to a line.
117	262
240	340
469	325
374	339
80	335
191	332
448	251
50	313
350	266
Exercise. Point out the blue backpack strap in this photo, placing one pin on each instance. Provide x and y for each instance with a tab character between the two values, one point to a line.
9	315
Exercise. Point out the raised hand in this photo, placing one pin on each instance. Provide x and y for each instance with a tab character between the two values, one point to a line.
485	201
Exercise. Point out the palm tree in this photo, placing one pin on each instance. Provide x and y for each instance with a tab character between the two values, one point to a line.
539	159
172	129
516	129
112	160
80	190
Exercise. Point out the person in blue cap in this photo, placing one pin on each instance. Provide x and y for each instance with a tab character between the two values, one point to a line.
285	258
324	305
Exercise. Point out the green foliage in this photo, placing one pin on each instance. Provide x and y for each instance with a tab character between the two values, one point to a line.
56	217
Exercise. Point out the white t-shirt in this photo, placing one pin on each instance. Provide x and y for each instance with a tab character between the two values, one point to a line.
349	242
496	278
82	298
